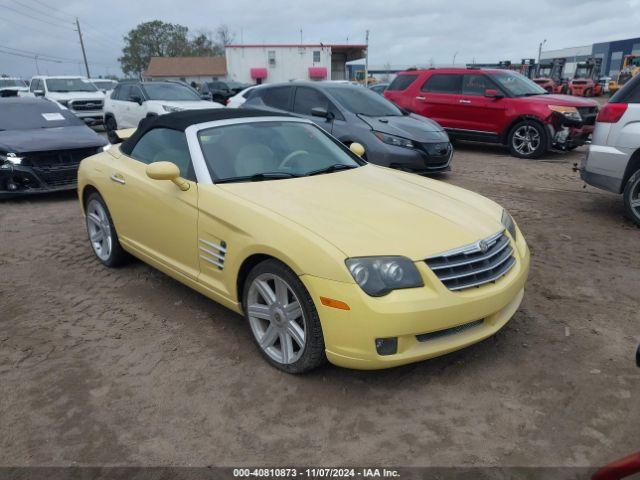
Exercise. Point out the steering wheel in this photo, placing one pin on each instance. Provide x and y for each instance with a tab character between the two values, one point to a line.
291	156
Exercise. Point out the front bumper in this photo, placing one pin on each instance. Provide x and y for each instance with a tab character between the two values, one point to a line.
91	117
350	335
17	180
410	159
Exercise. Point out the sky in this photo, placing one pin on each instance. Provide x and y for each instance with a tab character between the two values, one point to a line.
411	32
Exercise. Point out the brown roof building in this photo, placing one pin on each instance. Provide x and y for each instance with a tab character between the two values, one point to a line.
186	68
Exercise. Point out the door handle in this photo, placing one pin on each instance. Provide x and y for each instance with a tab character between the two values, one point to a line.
118	179
420	98
465	101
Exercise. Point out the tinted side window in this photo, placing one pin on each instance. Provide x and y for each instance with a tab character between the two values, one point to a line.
163	144
308	98
401	82
115	92
135	92
443	83
125	93
276	97
475	84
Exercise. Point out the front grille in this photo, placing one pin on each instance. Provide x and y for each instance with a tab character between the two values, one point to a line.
57	176
58	158
437	154
579	82
474	265
85	105
425	337
588	115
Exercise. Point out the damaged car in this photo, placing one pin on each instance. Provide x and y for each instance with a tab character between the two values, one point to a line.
496	106
41	146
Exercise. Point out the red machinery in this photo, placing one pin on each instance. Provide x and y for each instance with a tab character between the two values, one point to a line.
549	76
585	80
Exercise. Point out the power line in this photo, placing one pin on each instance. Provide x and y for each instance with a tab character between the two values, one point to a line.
34	18
40	12
31	27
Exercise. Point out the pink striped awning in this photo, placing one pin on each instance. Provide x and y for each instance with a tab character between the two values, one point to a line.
257	73
317	72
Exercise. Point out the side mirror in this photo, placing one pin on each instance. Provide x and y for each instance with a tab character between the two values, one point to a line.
136	98
491	93
357	148
38	93
167	171
321	112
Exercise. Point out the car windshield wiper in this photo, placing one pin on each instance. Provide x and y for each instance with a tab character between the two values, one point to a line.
331	168
258	177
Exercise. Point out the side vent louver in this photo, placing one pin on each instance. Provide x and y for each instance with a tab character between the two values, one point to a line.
213	253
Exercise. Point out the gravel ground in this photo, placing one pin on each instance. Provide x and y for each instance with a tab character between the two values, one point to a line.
129	367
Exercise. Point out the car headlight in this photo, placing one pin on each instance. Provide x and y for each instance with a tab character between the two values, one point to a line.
378	276
169	108
571	113
509	224
106	147
394	140
10	158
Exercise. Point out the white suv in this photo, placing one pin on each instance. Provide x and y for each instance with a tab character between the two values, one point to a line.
613	159
131	102
76	93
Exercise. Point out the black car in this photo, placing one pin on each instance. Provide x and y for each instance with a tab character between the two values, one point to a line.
219	91
41	146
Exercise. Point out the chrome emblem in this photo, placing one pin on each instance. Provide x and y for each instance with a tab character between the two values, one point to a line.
482	245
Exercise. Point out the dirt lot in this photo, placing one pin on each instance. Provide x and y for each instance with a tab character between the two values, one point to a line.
127	366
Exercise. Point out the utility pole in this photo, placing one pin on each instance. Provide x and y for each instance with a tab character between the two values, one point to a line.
37	67
84	54
454	58
366	60
540	49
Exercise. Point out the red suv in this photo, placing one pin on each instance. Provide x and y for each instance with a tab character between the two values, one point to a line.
496	106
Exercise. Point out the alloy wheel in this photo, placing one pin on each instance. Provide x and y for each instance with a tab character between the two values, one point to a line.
634	198
276	318
526	140
99	230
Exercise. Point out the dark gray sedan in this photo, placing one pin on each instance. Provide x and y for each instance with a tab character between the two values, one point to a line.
391	137
41	146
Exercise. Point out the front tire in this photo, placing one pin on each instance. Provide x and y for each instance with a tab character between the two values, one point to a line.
631	196
283	318
527	139
102	234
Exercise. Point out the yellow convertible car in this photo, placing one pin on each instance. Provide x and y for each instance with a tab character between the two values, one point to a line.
327	256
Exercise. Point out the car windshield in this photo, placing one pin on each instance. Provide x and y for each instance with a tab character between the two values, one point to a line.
271	150
363	101
104	84
582	72
4	82
63	85
517	85
26	115
170	92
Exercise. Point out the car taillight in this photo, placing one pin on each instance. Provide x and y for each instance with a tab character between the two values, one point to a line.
611	112
228	101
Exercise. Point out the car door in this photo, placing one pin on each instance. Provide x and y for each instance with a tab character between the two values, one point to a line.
308	98
439	99
120	106
155	218
137	108
480	113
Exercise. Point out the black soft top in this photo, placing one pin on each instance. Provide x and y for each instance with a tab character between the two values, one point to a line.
182	120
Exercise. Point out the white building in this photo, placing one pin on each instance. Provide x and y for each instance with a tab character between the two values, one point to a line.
574	55
283	63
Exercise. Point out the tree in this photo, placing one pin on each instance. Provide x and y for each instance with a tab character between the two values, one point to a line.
152	39
201	45
224	36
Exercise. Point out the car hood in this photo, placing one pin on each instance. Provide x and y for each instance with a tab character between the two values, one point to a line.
412	126
55	138
188	105
75	96
565	100
378	211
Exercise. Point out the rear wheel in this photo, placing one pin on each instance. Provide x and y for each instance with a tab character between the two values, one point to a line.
283	319
527	139
631	197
